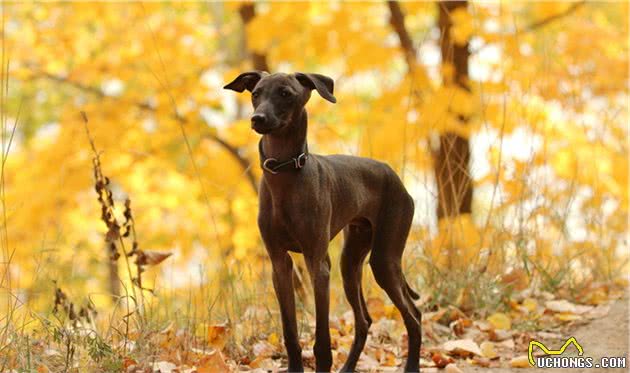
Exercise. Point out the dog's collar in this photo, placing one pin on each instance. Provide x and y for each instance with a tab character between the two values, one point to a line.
274	166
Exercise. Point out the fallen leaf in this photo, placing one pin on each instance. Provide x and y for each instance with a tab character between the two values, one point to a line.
508	343
481	361
564	306
440	360
127	362
462	347
530	304
487	350
500	321
547	295
520	362
212	363
164	367
567	316
217	335
273	339
452	368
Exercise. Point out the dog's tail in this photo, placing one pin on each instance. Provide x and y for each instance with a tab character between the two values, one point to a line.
412	293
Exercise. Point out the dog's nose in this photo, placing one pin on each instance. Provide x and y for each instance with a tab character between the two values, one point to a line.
259	119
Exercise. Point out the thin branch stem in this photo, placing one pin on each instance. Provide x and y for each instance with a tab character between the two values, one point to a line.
545	21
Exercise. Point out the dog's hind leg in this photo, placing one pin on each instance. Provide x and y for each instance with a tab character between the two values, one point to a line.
390	235
357	241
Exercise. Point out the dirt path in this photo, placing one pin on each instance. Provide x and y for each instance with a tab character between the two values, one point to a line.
608	336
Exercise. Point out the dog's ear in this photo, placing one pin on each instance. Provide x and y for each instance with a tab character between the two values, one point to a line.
245	81
323	84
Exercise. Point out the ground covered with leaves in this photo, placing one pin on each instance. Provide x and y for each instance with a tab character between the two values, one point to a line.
71	340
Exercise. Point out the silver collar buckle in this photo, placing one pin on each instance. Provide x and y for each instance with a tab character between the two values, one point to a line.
266	167
300	161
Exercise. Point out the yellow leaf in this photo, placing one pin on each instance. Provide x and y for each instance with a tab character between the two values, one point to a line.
567	316
273	339
500	321
520	362
487	350
530	304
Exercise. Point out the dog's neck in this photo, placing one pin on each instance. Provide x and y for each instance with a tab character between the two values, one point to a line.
288	143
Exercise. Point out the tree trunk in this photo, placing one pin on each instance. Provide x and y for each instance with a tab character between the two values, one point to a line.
248	12
451	160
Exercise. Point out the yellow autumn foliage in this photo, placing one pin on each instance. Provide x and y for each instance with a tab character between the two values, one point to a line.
545	115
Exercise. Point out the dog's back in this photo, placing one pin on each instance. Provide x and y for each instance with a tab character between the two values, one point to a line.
361	186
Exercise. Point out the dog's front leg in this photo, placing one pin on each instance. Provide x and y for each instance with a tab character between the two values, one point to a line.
319	270
283	285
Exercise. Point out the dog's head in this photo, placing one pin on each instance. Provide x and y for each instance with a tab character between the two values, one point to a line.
279	98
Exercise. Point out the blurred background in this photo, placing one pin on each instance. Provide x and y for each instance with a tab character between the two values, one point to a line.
506	121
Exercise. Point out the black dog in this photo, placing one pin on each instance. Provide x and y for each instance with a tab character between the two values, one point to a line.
306	199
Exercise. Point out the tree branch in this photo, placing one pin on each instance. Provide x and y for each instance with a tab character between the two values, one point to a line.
540	23
235	152
543	22
397	20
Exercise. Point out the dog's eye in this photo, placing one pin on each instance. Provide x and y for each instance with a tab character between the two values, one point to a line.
255	94
284	93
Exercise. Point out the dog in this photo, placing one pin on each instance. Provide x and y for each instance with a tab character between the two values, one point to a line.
307	199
